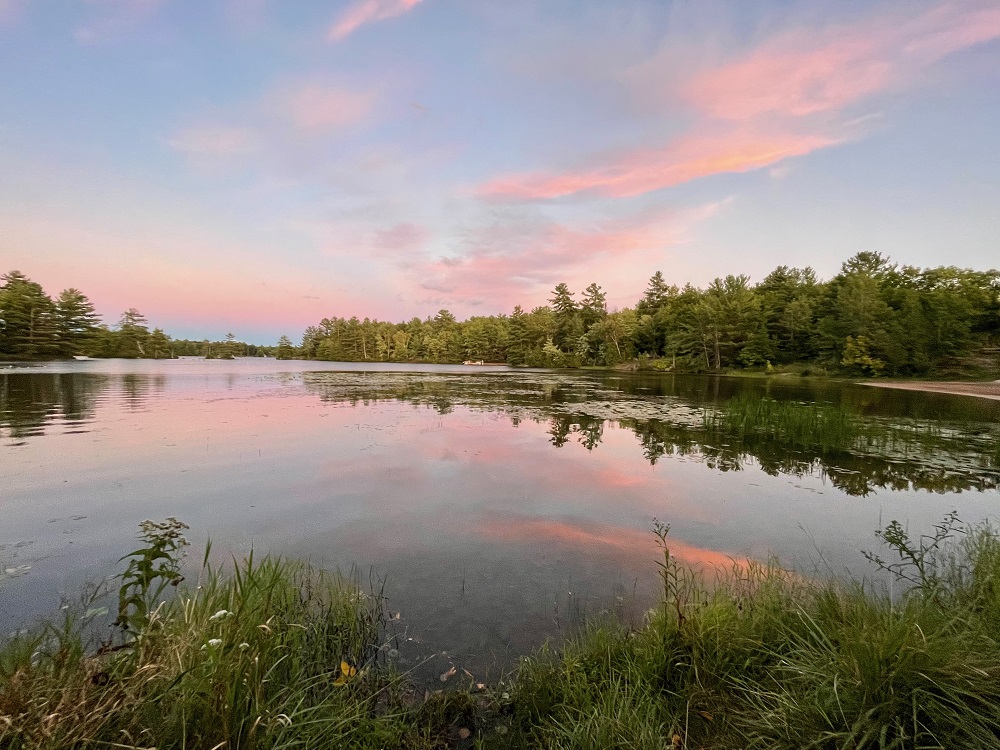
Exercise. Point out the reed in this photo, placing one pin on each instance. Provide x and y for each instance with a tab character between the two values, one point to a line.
273	654
269	654
766	659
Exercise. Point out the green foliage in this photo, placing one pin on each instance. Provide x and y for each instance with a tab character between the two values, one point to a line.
767	659
857	357
277	655
150	570
285	349
251	658
872	318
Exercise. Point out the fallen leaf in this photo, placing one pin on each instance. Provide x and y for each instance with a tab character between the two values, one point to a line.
445	676
346	673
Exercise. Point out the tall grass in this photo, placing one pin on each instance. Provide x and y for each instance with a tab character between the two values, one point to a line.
272	654
823	428
248	659
771	660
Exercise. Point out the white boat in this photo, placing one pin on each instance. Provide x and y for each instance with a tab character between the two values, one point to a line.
81	356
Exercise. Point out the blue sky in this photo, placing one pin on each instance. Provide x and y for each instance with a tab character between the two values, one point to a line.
255	165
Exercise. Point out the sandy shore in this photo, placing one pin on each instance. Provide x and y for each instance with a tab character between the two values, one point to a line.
982	390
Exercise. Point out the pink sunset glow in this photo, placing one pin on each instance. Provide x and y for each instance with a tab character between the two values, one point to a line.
314	106
595	536
638	172
227	162
368	11
517	261
800	73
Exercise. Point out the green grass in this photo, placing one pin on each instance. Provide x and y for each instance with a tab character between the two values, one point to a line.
244	660
770	660
758	658
823	428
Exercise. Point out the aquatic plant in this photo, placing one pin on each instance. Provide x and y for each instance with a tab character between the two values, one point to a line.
273	654
765	659
252	657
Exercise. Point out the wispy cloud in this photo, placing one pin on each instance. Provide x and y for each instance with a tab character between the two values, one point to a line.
367	11
404	237
787	96
314	106
517	257
282	126
115	17
215	140
804	72
643	171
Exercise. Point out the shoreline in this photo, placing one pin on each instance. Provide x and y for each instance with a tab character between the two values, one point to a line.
989	389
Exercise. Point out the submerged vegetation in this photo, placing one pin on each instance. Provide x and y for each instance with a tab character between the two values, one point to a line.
853	437
274	654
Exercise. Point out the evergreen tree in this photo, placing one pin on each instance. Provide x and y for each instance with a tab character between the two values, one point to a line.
285	349
593	306
132	334
517	350
568	326
76	323
159	345
655	296
27	320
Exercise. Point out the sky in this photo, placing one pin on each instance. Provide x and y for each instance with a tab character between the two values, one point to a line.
257	165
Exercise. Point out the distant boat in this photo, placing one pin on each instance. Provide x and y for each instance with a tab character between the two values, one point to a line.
81	356
470	362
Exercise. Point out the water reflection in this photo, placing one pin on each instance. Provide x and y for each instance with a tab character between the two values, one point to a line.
502	507
32	403
855	439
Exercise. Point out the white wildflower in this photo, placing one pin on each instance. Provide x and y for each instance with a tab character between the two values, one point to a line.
222	614
244	646
214	642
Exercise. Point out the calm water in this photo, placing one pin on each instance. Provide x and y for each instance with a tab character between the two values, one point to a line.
501	506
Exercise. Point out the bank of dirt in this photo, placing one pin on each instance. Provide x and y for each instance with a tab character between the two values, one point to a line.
990	389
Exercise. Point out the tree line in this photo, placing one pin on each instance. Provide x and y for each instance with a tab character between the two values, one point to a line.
872	318
33	326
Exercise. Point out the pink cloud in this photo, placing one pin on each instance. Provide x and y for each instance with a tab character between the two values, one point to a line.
518	261
403	237
313	107
215	140
784	98
804	72
643	171
368	11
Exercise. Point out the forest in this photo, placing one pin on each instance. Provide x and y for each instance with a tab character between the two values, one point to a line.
872	318
33	327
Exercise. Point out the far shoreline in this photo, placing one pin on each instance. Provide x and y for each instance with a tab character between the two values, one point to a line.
984	389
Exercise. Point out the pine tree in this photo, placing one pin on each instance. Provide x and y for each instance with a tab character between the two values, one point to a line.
27	319
76	322
285	348
567	319
593	306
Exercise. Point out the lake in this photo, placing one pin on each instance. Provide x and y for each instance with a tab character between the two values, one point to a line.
500	507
